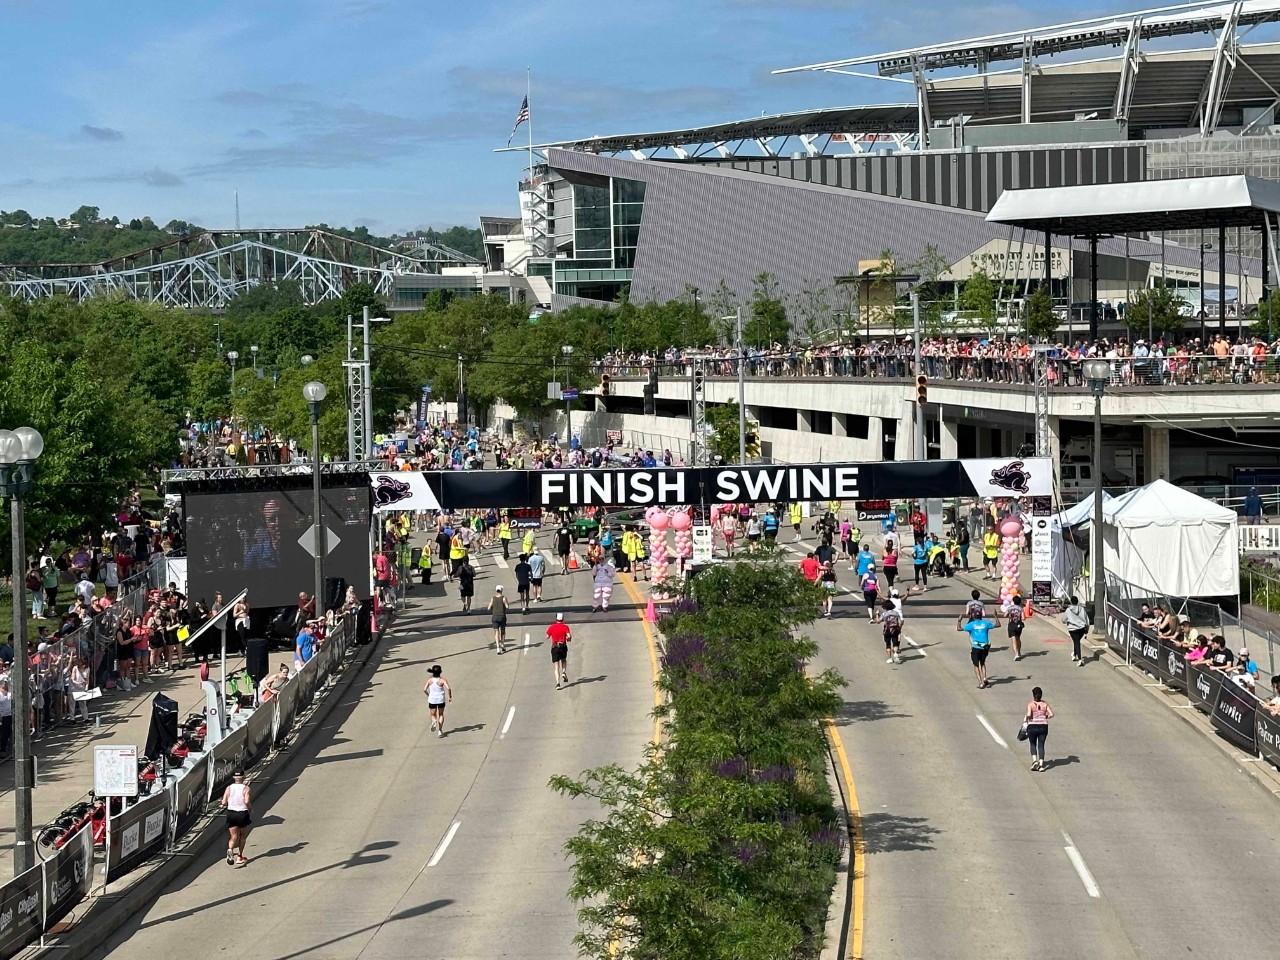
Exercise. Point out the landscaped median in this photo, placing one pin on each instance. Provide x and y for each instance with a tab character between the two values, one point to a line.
724	843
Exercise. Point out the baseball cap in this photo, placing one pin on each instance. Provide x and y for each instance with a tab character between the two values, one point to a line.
498	588
1243	652
559	616
1183	618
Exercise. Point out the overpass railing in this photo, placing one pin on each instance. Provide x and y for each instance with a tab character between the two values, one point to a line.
1186	370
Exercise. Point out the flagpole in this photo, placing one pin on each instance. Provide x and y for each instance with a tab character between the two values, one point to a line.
528	89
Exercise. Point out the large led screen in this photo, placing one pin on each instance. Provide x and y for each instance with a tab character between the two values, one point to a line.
259	539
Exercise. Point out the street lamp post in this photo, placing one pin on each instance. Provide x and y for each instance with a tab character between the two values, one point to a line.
742	389
567	350
1096	372
314	393
308	359
254	350
233	356
19	450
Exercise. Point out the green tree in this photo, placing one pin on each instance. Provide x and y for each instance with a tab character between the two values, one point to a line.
768	318
929	266
723	303
1267	320
978	298
1041	323
1157	308
813	310
723	420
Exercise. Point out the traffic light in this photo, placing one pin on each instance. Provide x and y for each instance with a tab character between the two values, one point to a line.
922	389
650	401
753	443
604	384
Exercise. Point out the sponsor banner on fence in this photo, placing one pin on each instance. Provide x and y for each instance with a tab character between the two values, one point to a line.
258	730
21	912
744	484
226	758
1173	660
1144	647
68	874
135	834
1267	729
1235	713
1202	688
287	709
190	797
306	681
1119	626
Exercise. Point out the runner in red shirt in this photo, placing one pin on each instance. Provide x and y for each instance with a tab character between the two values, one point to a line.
810	567
559	634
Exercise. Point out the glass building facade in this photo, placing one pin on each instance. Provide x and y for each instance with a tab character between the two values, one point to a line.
606	232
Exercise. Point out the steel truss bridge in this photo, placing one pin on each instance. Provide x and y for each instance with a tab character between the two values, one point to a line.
206	270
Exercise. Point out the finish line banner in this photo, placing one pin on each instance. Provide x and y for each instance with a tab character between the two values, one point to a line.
667	487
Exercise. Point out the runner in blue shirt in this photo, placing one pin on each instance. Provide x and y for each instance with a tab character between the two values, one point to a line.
980	644
770	524
866	559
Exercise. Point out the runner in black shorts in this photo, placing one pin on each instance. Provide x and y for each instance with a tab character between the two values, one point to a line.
559	634
523	574
564	543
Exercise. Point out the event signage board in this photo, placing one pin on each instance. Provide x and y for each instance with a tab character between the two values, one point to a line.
873	509
190	797
287	709
21	911
701	544
115	770
1234	714
1119	626
1267	735
1145	649
134	834
68	874
641	487
1202	688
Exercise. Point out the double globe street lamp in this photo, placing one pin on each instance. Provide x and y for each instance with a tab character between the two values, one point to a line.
19	451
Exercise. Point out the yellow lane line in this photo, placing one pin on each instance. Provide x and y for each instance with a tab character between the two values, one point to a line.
632	591
857	842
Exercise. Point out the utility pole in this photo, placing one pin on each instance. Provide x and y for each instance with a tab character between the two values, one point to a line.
462	394
742	394
367	399
921	453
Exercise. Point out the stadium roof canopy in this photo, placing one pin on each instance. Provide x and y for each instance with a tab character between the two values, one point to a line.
1117	30
1145	206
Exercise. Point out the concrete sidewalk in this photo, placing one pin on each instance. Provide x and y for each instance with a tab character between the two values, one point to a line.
64	755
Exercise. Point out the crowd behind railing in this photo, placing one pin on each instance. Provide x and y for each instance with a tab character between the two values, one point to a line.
1219	359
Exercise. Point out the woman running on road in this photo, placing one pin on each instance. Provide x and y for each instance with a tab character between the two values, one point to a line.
236	800
1039	713
438	694
498	614
870	591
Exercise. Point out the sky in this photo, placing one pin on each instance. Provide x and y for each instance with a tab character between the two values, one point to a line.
385	113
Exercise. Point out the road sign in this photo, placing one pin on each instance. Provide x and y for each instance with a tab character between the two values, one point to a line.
115	770
613	436
569	393
553	390
308	540
701	544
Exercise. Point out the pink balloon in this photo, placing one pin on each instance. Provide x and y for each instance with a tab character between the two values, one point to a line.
682	520
1010	527
659	521
651	513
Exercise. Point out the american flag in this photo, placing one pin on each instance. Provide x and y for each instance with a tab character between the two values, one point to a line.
521	117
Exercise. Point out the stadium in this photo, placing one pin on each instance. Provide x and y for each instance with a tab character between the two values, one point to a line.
818	194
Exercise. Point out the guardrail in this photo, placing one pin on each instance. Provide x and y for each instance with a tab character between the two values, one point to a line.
32	903
1236	713
1063	371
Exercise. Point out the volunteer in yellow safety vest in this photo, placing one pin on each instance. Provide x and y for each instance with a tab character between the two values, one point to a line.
990	552
504	534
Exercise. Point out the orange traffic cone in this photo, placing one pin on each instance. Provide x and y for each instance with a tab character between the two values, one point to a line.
650	614
1028	611
573	561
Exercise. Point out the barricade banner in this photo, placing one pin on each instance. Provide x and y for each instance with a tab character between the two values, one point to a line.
21	912
1119	625
1144	648
1267	730
287	708
135	834
306	680
1202	688
1173	660
1235	714
258	732
190	797
68	874
226	758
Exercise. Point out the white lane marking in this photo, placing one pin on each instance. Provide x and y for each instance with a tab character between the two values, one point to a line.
923	651
526	643
1077	861
444	844
992	730
502	563
511	715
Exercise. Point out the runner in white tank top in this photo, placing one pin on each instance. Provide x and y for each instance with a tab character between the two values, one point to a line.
237	800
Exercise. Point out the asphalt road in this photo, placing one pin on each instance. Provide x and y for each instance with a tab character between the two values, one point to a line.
1173	852
392	843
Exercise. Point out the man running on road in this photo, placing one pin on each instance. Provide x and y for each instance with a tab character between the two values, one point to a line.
523	572
564	543
980	645
537	570
559	634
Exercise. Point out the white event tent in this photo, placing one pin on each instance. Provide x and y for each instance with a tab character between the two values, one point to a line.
1164	540
1068	559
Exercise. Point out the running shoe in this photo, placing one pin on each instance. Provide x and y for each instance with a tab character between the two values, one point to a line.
231	858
